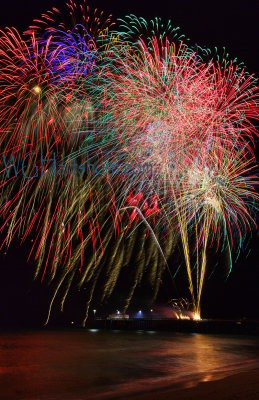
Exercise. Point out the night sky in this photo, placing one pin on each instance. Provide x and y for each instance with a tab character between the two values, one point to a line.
208	23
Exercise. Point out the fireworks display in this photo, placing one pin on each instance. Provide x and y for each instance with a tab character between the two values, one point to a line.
122	145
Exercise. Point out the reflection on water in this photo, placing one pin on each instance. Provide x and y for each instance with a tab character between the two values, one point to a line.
55	365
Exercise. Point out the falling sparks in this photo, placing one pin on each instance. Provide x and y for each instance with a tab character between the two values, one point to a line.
93	92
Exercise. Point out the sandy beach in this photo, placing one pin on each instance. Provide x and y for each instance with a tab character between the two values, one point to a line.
102	365
240	386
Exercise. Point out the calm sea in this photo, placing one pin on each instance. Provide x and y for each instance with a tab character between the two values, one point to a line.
75	365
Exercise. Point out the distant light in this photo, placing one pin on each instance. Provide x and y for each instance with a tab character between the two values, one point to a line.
37	89
72	322
140	312
151	310
94	311
93	330
196	316
117	312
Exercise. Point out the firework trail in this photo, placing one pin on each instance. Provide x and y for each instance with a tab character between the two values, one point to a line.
72	16
84	92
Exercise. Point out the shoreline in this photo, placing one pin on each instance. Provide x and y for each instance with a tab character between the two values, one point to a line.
200	386
228	385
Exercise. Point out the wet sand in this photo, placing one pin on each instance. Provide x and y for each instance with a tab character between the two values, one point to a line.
240	386
101	365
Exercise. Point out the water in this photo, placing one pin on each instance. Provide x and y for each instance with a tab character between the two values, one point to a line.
74	365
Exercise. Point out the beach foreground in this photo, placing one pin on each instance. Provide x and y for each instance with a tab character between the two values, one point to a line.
137	365
241	386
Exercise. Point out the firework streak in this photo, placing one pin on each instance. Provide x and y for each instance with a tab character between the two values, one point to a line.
134	92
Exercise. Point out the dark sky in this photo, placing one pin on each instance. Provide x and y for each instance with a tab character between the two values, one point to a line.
233	24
